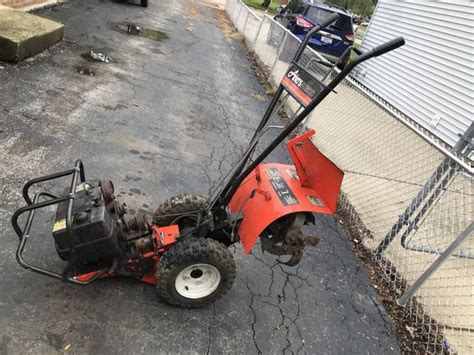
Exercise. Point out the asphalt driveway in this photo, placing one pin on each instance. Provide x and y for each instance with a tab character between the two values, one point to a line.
168	115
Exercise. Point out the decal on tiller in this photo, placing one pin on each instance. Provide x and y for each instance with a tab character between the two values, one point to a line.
292	173
281	188
301	84
315	201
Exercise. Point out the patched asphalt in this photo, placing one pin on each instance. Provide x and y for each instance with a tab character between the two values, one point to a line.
164	117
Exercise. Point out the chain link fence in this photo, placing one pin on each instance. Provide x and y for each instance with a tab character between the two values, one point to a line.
403	196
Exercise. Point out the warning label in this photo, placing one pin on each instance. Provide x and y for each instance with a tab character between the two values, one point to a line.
315	201
286	196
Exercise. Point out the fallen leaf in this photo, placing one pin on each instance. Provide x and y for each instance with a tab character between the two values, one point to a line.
257	97
270	92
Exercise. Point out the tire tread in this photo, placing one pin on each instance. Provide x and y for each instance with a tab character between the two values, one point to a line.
194	250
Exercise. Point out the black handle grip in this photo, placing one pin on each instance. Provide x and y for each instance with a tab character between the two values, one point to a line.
387	47
328	20
357	51
374	52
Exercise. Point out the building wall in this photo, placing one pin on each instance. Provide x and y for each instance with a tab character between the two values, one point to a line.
431	78
21	3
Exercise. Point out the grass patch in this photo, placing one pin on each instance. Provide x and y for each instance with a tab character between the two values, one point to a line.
257	4
357	42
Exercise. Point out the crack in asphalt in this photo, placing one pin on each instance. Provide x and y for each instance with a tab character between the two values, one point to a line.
209	329
284	317
290	278
254	321
297	317
272	273
286	320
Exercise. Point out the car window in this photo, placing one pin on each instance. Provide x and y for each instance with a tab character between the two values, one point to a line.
295	7
300	6
317	15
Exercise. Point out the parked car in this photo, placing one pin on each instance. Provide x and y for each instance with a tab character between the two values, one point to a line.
299	16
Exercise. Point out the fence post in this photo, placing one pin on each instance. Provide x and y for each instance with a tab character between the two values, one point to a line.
231	8
238	15
245	23
435	265
259	29
280	49
234	10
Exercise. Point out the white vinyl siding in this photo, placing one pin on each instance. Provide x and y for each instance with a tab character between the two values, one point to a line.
431	78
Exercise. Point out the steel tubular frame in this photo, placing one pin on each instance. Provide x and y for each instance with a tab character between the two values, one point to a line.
34	205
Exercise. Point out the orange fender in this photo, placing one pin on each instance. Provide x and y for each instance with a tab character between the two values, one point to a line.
272	191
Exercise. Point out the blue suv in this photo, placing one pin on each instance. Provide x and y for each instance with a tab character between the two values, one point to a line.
299	16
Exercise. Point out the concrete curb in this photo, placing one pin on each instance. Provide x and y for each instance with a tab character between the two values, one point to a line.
23	35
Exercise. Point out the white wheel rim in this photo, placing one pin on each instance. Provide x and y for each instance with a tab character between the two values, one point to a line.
197	281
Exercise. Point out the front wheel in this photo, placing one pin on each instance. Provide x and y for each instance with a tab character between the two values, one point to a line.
195	272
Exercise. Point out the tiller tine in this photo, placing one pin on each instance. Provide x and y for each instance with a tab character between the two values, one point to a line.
290	241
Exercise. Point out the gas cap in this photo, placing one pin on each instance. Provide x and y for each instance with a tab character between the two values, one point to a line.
81	217
87	188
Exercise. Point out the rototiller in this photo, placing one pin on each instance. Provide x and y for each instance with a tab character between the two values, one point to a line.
184	250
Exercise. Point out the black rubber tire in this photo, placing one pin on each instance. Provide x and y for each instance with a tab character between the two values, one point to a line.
191	251
144	3
174	206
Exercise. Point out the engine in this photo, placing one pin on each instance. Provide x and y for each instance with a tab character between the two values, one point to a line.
101	230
